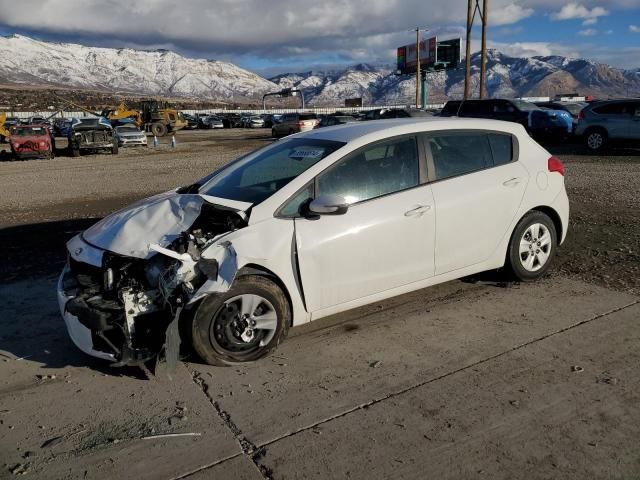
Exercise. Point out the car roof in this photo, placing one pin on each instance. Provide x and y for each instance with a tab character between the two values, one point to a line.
399	126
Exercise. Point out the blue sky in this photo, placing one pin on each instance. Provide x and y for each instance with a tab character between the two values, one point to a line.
278	35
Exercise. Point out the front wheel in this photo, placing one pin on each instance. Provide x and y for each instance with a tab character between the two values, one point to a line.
243	324
532	247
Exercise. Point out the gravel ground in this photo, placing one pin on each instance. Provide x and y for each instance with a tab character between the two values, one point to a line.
44	202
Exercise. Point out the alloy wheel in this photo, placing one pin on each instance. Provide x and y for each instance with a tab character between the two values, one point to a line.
535	247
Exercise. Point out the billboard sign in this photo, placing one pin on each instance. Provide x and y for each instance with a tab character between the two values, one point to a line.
433	55
353	102
407	58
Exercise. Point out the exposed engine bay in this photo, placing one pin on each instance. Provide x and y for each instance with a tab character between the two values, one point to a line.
130	303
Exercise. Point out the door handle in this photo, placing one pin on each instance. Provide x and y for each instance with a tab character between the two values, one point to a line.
417	210
512	182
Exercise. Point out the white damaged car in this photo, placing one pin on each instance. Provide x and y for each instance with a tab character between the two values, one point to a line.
312	225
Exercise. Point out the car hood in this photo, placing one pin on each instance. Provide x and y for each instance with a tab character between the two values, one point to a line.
155	220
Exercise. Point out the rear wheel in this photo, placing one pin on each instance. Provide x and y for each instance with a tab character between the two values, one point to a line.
243	324
159	129
74	150
114	149
595	139
532	246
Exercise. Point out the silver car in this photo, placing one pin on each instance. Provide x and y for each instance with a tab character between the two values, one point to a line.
130	135
609	121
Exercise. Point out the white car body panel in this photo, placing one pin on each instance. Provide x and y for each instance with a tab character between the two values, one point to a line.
483	205
377	245
372	252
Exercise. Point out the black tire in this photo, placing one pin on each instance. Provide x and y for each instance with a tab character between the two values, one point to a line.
515	260
74	151
595	139
159	129
114	149
209	319
273	133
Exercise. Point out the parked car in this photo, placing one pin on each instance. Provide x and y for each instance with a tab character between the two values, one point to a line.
253	121
130	136
331	120
271	120
309	226
291	123
572	108
539	123
610	121
37	121
192	121
231	120
212	121
90	135
31	141
386	113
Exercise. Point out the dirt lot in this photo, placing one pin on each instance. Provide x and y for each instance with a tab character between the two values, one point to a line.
463	380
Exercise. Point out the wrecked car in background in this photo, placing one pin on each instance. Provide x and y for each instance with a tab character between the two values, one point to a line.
31	141
91	135
130	136
309	226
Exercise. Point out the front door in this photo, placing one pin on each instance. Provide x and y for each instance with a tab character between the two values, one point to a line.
384	240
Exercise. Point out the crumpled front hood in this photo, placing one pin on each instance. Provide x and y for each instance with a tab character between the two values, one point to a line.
158	219
155	220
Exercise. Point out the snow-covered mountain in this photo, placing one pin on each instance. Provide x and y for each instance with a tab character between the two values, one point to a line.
25	61
28	62
506	77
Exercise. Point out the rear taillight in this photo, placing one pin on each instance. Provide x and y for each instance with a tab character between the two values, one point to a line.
555	165
581	115
301	123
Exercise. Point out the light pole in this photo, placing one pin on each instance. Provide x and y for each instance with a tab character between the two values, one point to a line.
418	66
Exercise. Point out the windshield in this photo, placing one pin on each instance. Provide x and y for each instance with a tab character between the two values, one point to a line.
256	177
27	131
525	106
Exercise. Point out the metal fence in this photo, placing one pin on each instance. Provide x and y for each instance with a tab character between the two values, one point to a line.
317	110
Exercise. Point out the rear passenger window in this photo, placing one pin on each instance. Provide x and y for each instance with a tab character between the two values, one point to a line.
501	148
460	153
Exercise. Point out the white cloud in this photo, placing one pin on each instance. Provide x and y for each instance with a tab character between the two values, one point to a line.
509	14
534	49
590	21
634	29
588	32
575	10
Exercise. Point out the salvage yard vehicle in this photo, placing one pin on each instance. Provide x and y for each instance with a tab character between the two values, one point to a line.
609	121
291	123
538	122
31	141
130	136
91	135
309	226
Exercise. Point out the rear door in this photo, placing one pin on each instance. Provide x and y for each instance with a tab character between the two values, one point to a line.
478	186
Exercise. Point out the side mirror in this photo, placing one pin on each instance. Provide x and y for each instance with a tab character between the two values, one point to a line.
329	205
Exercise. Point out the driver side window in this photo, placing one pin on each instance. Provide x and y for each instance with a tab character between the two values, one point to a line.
374	171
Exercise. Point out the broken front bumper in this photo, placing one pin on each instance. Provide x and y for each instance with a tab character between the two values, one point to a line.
81	336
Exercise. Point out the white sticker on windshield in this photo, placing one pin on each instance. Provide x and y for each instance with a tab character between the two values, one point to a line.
307	153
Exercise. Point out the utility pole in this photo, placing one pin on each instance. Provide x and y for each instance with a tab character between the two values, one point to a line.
483	60
467	74
418	67
471	15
